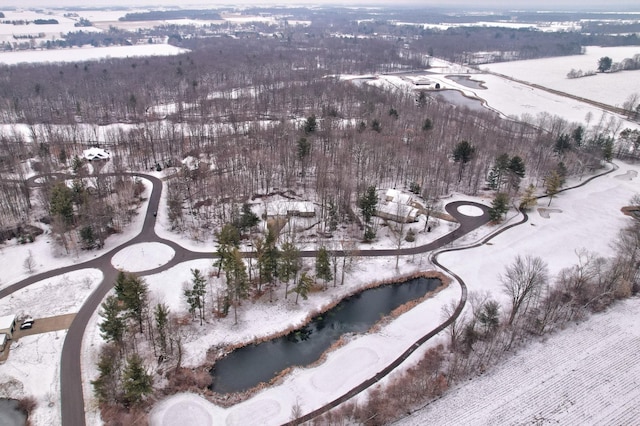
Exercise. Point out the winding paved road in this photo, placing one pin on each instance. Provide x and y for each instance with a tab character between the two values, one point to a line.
72	400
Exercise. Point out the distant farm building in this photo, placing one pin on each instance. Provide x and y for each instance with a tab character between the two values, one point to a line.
291	208
95	154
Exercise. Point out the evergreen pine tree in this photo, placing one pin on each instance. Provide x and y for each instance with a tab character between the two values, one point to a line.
323	266
113	325
136	383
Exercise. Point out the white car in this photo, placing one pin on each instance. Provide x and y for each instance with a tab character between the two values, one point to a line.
27	323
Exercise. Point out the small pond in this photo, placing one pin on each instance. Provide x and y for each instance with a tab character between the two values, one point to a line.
465	80
248	366
457	98
10	415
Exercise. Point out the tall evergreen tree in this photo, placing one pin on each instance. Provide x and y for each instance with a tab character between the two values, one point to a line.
499	206
323	266
247	220
528	199
303	286
196	294
135	298
552	184
106	387
462	154
237	280
228	239
61	202
161	316
136	383
289	264
368	204
113	325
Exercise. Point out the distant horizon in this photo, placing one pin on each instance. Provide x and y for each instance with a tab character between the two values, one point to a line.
528	5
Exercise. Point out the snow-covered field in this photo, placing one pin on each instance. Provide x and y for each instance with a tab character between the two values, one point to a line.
517	100
586	374
88	53
612	89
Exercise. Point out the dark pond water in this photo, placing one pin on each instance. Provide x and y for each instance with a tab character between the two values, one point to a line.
466	81
457	98
246	367
9	413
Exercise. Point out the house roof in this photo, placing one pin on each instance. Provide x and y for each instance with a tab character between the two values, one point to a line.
398	197
7	321
397	210
96	154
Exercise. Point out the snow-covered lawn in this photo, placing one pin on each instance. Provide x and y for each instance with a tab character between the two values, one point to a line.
612	89
142	257
63	294
33	369
585	374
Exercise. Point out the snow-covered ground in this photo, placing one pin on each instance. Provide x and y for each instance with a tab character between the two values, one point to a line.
142	257
32	368
79	54
585	374
612	89
63	294
583	220
517	100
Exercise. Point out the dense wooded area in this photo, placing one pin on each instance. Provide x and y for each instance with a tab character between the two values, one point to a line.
238	108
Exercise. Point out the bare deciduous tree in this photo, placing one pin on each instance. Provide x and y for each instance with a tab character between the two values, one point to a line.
523	281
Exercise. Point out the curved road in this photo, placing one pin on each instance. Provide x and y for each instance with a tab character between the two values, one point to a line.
72	399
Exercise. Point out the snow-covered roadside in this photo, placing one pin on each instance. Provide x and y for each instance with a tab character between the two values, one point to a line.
584	220
63	294
33	365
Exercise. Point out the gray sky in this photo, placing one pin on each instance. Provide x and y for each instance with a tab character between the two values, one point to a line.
580	5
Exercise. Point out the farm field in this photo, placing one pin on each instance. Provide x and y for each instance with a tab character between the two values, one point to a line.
585	374
612	89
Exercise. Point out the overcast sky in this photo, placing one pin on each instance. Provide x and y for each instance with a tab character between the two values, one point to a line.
613	5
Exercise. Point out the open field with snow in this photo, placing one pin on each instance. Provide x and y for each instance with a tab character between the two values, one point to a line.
88	53
585	374
609	88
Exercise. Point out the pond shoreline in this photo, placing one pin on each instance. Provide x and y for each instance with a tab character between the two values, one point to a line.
230	399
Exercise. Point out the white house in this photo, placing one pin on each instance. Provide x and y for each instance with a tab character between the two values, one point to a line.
398	206
8	325
397	212
95	154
